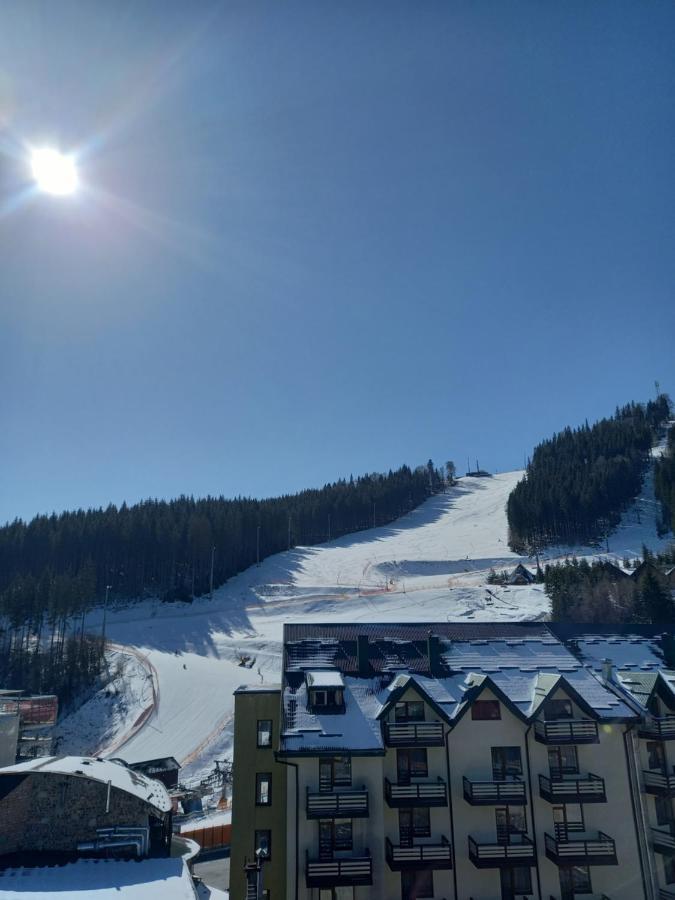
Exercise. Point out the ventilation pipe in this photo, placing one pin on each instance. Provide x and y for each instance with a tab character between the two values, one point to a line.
607	670
362	655
434	654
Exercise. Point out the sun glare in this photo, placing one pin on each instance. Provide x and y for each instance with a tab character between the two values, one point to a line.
54	172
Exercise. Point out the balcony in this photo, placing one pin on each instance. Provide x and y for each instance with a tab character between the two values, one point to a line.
351	870
567	731
337	804
419	856
590	789
489	793
599	851
659	784
413	734
491	855
664	841
658	729
427	793
667	894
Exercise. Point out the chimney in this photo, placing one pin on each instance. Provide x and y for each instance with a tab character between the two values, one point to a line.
362	656
434	654
607	670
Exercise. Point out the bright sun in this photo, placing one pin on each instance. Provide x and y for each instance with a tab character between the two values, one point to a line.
54	172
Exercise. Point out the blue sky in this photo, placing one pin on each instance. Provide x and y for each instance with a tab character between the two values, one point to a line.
317	239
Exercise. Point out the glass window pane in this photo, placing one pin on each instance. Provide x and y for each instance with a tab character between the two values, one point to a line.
263	788
342	770
558	709
264	732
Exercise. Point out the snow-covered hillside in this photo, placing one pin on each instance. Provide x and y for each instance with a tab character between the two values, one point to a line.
430	565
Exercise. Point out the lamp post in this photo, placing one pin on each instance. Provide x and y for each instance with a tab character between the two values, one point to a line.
105	612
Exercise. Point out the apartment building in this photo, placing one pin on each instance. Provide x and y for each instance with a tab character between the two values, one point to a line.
459	761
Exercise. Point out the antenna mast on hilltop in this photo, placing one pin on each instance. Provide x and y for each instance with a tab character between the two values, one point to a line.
658	389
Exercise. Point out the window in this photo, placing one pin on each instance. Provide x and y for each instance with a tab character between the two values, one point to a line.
575	880
506	763
326	698
558	709
664	810
409	711
563	761
669	869
411	764
334	834
567	818
335	771
413	821
510	822
263	844
336	893
264	733
263	789
416	884
516	882
485	709
656	756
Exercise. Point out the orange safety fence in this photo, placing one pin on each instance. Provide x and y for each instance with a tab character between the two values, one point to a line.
210	838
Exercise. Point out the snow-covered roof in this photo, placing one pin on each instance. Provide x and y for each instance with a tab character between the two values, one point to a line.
100	879
324	678
103	770
522	668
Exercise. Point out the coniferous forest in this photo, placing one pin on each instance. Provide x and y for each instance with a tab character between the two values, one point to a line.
579	481
664	483
54	566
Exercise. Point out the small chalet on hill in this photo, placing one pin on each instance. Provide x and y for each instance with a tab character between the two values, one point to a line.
521	575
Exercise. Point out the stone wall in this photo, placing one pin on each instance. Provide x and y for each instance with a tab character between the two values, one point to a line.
48	812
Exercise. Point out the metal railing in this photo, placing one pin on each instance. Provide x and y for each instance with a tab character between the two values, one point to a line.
484	854
413	734
664	841
327	805
661	728
335	872
658	783
567	731
486	793
430	856
589	789
598	851
426	793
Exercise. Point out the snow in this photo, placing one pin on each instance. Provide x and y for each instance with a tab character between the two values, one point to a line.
95	879
324	678
147	789
430	565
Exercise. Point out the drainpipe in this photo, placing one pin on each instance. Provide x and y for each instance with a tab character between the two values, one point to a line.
285	762
641	831
534	827
452	818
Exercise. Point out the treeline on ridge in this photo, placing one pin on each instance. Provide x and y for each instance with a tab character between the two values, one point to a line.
579	481
53	567
664	483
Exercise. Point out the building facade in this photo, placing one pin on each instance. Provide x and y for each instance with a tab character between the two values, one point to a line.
465	762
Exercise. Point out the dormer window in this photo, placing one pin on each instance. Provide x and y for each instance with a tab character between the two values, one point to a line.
409	711
326	690
554	710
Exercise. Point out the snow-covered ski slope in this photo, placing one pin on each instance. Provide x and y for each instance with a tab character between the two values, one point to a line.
430	565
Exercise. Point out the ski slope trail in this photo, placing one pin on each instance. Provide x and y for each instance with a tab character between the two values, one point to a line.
430	565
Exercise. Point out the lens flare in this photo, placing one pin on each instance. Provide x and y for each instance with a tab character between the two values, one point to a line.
54	172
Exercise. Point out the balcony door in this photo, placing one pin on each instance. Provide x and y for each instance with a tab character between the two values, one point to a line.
511	824
506	763
413	821
411	764
567	819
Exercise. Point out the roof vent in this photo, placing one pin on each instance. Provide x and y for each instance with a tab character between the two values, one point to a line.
607	670
362	655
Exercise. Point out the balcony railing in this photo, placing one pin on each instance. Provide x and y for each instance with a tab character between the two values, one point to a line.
488	793
337	804
599	851
657	783
413	734
567	731
590	789
337	872
492	855
426	793
419	856
660	728
667	894
664	841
